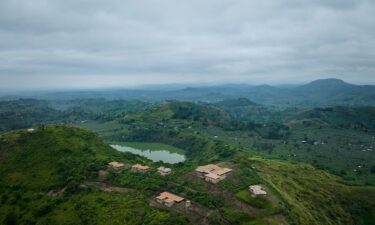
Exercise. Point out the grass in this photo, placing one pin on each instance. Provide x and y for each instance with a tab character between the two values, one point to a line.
316	197
258	202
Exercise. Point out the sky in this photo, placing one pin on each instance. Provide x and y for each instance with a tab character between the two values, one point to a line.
47	44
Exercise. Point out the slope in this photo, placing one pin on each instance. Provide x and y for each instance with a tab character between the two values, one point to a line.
41	178
316	197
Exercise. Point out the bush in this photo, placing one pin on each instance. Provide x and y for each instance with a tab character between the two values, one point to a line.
43	209
11	218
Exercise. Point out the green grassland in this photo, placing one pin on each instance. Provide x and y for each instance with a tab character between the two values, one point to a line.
258	202
317	197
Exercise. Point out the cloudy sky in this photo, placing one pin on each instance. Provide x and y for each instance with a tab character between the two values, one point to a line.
92	43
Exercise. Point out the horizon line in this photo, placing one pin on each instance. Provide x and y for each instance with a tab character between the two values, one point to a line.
172	86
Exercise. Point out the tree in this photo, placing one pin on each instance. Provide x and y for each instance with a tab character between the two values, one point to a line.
372	170
10	218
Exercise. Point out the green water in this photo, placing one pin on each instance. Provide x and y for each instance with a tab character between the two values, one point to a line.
154	151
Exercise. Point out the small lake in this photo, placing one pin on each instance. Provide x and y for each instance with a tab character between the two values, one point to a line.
154	153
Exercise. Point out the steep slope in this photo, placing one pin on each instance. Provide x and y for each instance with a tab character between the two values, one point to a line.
316	197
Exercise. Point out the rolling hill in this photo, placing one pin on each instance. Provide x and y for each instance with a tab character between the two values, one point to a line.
324	92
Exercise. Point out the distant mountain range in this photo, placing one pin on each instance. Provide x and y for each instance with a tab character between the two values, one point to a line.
324	92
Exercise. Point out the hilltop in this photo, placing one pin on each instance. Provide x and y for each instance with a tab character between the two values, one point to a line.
53	156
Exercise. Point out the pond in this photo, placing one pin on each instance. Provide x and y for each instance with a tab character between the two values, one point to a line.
154	151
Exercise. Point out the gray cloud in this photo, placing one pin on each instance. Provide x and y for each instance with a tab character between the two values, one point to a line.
70	43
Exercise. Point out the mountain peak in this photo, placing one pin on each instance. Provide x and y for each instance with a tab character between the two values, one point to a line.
331	83
328	81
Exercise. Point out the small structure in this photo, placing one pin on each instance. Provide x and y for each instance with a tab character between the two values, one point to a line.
212	173
30	130
168	199
116	165
256	190
164	171
213	178
140	168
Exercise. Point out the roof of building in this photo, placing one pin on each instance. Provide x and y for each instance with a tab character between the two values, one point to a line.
257	190
212	168
115	164
164	169
140	167
212	175
169	197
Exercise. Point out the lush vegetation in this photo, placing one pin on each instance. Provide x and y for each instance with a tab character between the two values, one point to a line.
23	113
53	175
42	173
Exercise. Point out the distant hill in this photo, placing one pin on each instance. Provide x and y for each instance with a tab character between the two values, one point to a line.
24	113
239	102
324	92
335	92
180	110
362	118
242	109
326	85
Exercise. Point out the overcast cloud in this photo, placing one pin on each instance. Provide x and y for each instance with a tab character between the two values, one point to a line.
92	43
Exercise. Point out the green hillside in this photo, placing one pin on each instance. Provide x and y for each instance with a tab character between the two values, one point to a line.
42	172
316	197
186	111
358	118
